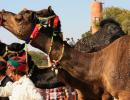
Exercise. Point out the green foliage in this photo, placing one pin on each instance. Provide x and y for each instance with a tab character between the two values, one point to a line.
38	58
112	12
87	34
126	26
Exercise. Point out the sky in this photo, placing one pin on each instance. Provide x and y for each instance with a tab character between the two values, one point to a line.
74	14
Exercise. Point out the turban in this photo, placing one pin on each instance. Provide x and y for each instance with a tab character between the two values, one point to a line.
17	64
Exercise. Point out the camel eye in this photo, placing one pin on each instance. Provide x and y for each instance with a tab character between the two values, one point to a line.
18	17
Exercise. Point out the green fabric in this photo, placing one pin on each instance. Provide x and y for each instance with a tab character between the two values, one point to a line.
14	63
2	63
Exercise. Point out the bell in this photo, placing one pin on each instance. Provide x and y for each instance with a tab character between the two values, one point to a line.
56	71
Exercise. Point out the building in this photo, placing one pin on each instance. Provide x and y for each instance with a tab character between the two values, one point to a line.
96	15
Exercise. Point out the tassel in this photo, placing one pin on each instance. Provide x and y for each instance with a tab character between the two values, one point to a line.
56	71
35	32
49	61
56	20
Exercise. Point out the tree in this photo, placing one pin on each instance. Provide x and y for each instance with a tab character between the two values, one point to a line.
112	12
126	26
87	34
121	15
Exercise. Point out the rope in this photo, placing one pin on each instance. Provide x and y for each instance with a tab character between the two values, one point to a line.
50	49
54	62
46	18
26	51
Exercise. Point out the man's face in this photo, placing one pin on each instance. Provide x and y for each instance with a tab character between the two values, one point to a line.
10	73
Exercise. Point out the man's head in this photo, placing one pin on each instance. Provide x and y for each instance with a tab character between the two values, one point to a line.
16	67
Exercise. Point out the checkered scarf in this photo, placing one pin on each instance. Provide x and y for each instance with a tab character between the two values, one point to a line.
60	93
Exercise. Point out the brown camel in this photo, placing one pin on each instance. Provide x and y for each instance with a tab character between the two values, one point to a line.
88	68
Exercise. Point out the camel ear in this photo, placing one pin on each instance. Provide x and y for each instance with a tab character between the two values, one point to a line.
50	10
33	15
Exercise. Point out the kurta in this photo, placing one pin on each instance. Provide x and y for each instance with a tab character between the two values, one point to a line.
23	89
3	83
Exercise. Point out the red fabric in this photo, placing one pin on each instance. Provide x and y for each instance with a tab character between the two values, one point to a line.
35	32
22	68
2	67
56	20
49	23
23	57
22	63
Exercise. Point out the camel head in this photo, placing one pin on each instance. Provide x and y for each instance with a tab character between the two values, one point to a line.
23	23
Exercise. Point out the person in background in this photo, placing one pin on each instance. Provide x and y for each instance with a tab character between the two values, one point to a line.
3	77
22	88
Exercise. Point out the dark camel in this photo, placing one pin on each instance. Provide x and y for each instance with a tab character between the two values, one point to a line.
19	28
109	30
24	22
78	68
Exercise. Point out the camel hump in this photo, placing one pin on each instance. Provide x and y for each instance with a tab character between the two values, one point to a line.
108	32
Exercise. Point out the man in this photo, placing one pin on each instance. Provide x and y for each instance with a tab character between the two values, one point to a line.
22	88
3	77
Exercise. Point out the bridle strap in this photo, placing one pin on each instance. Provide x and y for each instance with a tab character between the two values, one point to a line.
26	51
54	62
37	28
46	18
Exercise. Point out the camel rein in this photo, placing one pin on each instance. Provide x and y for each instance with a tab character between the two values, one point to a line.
54	63
43	22
35	34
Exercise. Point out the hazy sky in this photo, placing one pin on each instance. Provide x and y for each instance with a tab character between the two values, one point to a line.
74	14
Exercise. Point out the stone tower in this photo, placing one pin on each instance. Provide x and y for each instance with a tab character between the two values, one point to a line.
96	15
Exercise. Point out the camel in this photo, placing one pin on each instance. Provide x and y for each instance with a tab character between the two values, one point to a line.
109	30
84	68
